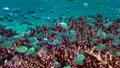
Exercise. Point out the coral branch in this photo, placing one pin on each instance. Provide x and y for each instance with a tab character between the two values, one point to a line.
98	57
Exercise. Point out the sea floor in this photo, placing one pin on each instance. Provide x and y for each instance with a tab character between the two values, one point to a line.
82	42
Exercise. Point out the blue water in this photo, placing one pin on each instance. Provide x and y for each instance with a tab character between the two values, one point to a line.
106	7
65	8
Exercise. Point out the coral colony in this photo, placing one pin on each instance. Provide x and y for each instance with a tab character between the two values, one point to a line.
83	42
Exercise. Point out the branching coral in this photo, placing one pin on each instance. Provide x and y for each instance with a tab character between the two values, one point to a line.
80	46
98	56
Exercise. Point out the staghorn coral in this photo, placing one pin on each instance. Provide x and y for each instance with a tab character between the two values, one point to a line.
66	53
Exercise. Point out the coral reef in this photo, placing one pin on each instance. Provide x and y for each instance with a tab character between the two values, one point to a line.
91	42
